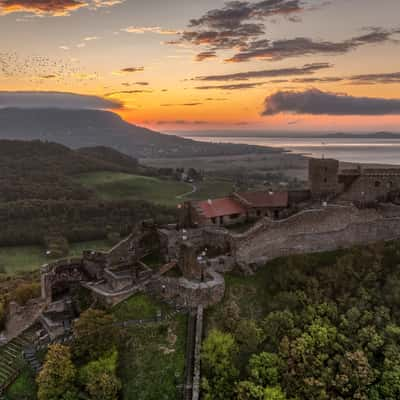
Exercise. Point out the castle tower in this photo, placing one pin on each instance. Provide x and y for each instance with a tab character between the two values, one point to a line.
323	177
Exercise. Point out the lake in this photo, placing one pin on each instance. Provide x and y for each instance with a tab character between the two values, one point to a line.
359	150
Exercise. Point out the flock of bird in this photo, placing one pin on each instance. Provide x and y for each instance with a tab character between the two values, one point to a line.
38	69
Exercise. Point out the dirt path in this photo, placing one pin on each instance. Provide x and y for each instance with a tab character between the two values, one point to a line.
194	190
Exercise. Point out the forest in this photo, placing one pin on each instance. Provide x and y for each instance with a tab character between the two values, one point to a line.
318	326
39	193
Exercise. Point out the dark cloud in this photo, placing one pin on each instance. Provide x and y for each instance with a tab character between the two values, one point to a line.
137	91
307	69
132	69
55	100
216	99
235	13
233	86
371	79
142	83
205	55
236	23
316	102
182	105
365	79
48	76
329	79
51	7
281	49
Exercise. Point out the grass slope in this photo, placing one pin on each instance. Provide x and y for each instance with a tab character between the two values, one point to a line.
18	259
152	358
121	186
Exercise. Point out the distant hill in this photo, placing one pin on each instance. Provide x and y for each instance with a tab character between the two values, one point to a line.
39	193
40	170
91	128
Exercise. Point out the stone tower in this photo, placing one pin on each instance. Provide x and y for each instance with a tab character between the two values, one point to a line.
323	177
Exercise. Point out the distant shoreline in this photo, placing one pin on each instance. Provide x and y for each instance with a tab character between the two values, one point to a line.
300	135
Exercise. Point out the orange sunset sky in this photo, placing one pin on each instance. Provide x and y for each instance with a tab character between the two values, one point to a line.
290	65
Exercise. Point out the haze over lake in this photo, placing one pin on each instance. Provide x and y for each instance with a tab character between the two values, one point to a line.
366	150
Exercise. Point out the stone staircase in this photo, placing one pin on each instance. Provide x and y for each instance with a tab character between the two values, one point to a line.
11	356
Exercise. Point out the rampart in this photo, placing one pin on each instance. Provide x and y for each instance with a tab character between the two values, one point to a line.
190	294
315	230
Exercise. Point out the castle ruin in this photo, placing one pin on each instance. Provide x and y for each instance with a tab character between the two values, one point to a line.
340	209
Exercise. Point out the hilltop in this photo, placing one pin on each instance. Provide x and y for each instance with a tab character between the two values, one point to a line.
41	170
90	128
41	192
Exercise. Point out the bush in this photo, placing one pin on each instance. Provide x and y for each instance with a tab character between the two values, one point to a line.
100	379
26	291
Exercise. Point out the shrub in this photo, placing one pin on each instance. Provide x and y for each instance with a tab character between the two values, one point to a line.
25	292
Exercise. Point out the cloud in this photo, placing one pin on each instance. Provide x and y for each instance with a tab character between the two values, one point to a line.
364	79
236	23
372	79
150	29
53	8
127	92
307	69
233	86
316	102
281	49
205	55
48	76
328	79
131	69
194	104
55	100
236	13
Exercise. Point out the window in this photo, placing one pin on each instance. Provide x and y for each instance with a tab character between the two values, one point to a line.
325	180
234	216
377	184
258	213
214	220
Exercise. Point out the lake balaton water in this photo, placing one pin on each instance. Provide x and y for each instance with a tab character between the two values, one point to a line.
358	150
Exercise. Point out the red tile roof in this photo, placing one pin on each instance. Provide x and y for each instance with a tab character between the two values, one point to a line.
220	207
264	199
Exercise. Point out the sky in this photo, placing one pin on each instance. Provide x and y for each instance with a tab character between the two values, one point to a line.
271	65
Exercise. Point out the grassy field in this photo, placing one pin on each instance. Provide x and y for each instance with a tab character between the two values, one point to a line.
152	358
120	186
291	165
14	260
211	188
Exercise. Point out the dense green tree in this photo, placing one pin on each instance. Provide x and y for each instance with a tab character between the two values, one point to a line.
218	355
94	334
100	378
265	368
56	380
248	335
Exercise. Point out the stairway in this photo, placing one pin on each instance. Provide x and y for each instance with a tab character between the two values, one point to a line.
11	357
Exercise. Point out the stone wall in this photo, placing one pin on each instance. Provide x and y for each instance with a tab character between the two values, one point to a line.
316	230
372	186
190	294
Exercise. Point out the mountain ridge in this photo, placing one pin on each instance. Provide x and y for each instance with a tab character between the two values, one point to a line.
93	128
